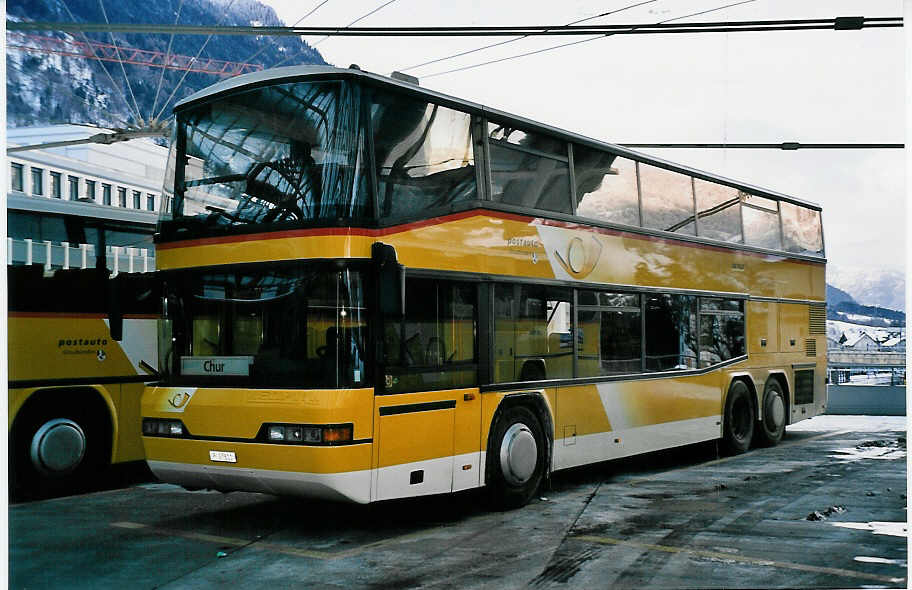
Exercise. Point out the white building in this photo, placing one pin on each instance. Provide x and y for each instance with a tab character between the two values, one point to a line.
862	342
58	198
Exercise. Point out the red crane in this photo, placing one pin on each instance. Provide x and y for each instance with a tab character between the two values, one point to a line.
127	55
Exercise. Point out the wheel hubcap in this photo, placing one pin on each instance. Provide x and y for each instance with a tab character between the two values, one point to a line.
57	447
518	454
775	412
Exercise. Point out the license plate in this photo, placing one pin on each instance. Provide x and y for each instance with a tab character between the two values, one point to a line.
223	456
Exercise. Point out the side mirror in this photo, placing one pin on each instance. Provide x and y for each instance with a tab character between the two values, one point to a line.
115	312
390	280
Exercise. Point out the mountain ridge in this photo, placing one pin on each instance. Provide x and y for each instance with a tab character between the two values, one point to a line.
47	88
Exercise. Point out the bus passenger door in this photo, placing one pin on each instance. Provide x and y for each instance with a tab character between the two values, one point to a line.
415	443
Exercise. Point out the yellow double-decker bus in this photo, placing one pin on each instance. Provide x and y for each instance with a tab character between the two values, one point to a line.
376	291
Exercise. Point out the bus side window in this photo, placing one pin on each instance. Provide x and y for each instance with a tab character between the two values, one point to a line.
671	322
435	345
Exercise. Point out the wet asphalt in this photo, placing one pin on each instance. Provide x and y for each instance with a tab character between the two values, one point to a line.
826	508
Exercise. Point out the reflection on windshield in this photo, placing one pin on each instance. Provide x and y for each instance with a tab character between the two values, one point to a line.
294	327
290	152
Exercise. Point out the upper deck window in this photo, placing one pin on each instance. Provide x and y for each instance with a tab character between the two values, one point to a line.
529	169
423	154
718	211
761	222
801	229
668	200
606	186
291	152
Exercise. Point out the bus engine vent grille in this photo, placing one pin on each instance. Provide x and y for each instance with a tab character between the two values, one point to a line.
810	347
804	387
817	319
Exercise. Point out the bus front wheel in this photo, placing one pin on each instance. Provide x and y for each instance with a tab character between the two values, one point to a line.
516	458
772	427
738	421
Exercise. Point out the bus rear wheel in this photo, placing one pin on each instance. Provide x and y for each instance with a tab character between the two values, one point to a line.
52	451
773	412
516	458
738	421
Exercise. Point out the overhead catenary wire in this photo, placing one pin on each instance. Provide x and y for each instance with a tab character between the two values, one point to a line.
296	23
161	77
472	31
553	47
357	20
184	77
123	71
136	114
785	146
499	43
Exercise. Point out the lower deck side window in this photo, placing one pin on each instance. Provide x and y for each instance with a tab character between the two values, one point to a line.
435	345
671	332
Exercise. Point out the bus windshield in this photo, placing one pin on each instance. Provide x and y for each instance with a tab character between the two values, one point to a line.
301	325
284	153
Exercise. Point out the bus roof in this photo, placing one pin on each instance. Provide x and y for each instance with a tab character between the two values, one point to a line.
291	73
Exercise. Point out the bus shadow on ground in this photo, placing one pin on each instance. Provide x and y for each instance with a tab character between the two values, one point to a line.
122	475
334	526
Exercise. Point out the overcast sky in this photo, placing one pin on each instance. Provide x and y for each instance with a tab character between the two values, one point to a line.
771	87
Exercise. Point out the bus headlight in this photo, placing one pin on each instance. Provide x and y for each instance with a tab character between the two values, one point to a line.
308	435
162	427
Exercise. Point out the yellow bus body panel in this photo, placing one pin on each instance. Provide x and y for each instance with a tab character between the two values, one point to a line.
510	245
63	346
291	458
239	413
66	351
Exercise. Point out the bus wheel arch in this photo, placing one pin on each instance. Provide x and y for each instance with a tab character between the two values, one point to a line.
59	437
519	450
739	416
774	410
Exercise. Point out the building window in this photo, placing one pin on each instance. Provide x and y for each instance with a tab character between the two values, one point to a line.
150	202
121	196
37	181
90	189
137	200
55	184
16	176
74	187
106	194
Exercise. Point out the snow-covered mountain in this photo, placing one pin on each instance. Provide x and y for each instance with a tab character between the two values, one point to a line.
871	285
43	88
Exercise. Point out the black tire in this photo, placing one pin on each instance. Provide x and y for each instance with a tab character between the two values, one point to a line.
738	420
773	413
512	479
57	449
